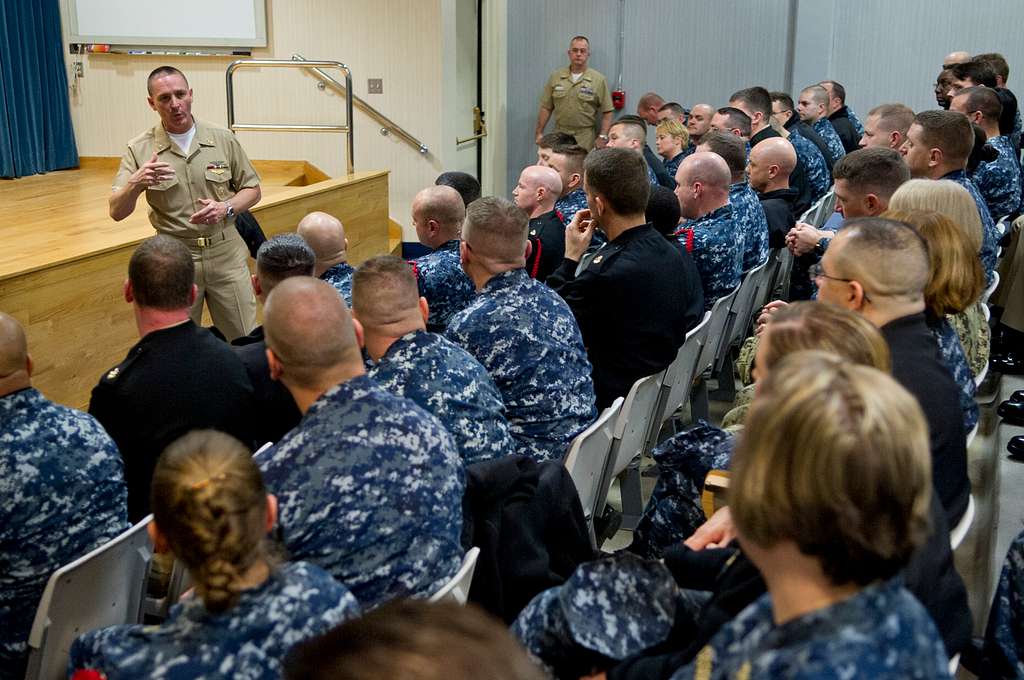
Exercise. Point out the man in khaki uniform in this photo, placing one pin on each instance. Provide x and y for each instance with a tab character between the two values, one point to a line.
196	177
576	94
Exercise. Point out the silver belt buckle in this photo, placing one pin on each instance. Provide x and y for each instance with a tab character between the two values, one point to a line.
204	241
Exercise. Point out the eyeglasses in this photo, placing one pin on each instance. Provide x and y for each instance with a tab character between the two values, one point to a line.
817	272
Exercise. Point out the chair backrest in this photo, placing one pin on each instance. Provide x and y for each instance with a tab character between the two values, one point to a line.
716	327
712	498
104	588
779	285
588	458
987	293
822	209
743	306
633	424
457	589
959	532
678	380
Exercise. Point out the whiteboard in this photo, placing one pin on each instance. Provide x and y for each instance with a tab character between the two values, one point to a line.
184	23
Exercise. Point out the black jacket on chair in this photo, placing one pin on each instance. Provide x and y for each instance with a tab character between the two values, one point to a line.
527	520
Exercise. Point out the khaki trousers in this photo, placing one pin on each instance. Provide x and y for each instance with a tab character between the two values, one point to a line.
222	276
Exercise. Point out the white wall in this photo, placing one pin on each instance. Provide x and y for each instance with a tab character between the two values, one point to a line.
397	40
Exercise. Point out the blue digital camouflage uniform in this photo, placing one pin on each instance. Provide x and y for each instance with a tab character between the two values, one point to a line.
299	601
824	128
570	204
1017	129
651	177
1004	634
674	511
63	490
989	238
442	281
955	360
881	633
717	252
447	381
369	487
673	164
340	276
857	125
751	223
998	181
815	167
612	608
527	338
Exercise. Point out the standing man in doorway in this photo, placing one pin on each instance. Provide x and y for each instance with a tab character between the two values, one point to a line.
196	178
577	94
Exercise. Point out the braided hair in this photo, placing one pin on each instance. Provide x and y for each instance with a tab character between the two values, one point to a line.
209	502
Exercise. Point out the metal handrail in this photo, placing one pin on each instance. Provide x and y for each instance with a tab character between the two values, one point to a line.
388	125
350	153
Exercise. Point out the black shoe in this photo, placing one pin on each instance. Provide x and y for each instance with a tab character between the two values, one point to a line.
1010	363
1017	396
1016	448
1012	412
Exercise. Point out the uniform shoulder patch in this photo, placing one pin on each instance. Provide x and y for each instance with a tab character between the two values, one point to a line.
111	376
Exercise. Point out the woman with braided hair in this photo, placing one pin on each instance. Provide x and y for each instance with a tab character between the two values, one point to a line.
211	510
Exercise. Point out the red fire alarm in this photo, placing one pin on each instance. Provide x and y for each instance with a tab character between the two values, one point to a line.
619	99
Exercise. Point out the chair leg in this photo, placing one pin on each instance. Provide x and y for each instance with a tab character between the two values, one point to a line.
632	497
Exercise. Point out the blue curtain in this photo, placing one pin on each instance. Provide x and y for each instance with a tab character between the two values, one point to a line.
35	118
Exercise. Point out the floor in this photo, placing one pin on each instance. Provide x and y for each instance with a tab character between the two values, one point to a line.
996	482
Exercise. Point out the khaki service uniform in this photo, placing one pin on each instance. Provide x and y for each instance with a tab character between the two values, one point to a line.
577	106
215	167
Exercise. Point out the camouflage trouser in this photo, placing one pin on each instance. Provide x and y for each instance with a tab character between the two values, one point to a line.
745	361
674	511
1004	634
975	336
608	610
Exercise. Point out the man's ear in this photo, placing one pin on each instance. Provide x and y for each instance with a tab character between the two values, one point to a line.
157	538
193	293
424	309
276	367
463	253
575	180
30	365
360	334
934	157
433	227
256	287
856	297
129	296
529	249
872	204
773	171
895	140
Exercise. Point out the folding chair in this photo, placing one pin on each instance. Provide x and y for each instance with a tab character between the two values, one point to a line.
991	288
959	532
712	498
104	588
678	379
735	330
778	288
629	440
457	589
709	351
822	209
587	460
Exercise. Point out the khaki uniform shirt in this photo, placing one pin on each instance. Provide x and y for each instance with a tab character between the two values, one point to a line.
577	105
215	167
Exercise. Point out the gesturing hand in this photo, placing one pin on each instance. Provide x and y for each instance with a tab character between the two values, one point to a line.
578	234
717	532
211	212
151	173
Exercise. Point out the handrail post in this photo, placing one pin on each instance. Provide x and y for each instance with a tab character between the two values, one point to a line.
350	152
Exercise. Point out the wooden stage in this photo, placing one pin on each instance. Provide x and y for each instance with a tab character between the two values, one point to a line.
64	260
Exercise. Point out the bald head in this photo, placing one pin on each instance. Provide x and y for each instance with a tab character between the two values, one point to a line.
537	190
13	352
954	58
702	184
699	121
325	234
309	330
437	214
771	163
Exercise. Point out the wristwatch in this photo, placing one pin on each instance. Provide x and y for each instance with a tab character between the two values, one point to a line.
231	209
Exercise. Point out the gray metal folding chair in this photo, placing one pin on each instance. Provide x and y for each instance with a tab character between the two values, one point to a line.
587	460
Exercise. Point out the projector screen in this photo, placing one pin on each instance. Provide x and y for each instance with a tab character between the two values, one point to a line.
185	23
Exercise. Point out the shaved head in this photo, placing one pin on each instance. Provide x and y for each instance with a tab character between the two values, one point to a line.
540	176
706	109
776	151
889	258
309	330
538	188
707	168
956	58
437	214
13	346
325	234
384	292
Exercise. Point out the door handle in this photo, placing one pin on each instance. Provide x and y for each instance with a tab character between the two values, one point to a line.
479	127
